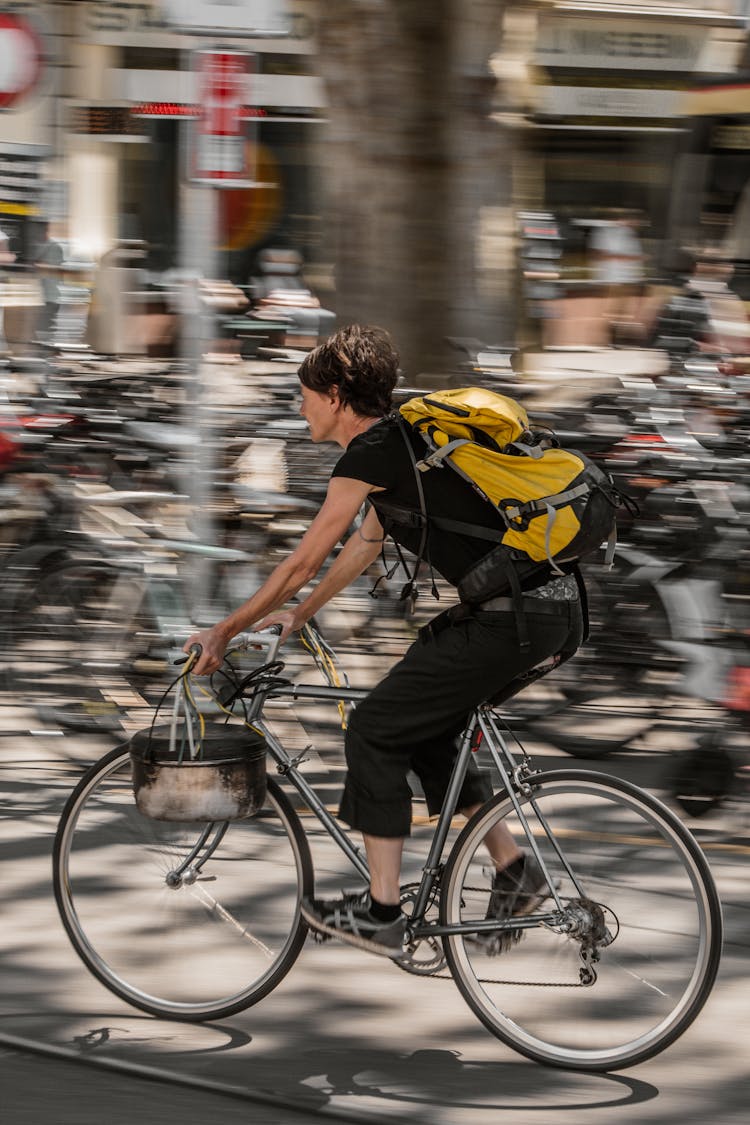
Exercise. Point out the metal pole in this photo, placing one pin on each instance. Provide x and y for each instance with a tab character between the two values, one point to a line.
199	257
197	226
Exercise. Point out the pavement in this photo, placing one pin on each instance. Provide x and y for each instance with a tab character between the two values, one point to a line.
346	1036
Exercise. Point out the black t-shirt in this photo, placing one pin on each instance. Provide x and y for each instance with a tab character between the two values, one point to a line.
379	456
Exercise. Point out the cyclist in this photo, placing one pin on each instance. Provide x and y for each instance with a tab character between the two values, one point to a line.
411	720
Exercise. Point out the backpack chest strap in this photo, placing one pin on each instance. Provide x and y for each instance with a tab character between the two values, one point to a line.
559	500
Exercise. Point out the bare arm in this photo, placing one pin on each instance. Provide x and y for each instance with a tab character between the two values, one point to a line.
343	500
360	550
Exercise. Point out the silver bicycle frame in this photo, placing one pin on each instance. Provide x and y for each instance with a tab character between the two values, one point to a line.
503	760
287	766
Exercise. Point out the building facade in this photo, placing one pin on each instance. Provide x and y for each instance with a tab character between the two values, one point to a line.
599	96
108	129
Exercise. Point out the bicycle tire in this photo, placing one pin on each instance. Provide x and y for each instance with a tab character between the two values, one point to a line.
635	859
174	947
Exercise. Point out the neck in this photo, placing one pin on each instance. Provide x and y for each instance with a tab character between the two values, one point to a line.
353	426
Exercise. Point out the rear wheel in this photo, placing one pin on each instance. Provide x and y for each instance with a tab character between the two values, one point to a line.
187	921
626	955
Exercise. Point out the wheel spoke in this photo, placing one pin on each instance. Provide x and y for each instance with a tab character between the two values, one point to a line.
192	940
637	951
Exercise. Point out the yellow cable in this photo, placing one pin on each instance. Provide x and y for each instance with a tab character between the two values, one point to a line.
226	710
330	669
307	637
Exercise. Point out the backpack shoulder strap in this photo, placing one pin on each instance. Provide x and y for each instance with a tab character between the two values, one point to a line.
438	455
409	590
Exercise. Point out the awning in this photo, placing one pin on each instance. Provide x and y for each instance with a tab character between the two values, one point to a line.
717	101
613	128
633	9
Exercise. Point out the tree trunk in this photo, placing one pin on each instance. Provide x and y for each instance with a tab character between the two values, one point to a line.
409	159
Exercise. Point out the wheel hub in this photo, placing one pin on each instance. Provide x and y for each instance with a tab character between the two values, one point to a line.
585	920
587	923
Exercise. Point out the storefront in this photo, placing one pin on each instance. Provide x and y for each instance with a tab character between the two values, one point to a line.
134	128
99	143
26	124
606	130
609	123
719	204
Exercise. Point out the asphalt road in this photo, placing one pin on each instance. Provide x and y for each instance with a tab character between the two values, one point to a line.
38	1088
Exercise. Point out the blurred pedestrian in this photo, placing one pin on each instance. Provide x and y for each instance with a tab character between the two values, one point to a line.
48	259
7	258
617	265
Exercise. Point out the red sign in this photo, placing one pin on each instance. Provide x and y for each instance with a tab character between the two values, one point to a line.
220	149
20	59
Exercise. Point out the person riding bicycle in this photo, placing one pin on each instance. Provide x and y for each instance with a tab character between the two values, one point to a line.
412	718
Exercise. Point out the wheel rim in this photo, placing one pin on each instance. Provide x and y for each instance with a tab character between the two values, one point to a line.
651	980
187	943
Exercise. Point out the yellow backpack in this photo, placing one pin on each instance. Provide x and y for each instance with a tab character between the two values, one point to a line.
554	505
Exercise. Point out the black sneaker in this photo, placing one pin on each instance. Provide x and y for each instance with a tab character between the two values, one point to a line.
517	890
349	919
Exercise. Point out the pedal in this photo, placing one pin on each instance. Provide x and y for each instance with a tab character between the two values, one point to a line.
495	944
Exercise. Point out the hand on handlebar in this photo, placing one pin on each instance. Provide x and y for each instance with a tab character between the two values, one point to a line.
212	643
286	619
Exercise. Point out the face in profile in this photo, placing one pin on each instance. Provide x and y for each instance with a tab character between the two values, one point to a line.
319	409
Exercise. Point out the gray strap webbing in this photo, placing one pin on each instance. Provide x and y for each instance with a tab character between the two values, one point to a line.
609	554
557	501
551	517
435	459
534	451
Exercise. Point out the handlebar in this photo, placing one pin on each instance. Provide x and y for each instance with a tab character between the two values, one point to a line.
266	639
269	639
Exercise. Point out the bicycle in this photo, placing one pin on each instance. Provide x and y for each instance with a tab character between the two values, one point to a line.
200	921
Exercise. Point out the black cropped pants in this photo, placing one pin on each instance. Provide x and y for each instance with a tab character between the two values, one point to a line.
412	719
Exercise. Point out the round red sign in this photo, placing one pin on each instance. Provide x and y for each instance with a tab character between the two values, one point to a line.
20	59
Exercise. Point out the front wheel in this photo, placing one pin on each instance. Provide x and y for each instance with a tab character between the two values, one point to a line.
185	921
630	947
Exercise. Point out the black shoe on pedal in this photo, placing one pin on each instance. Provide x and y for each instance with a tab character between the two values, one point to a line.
517	890
350	918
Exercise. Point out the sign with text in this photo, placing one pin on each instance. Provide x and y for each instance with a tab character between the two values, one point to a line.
656	45
264	16
219	142
145	23
603	101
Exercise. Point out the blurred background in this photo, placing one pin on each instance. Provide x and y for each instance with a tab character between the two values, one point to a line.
550	198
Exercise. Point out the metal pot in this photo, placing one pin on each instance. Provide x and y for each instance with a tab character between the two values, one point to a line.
226	781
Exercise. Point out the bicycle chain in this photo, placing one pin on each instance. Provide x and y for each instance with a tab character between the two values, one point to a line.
520	983
517	983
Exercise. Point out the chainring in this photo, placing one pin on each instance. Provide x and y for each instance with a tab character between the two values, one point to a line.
423	957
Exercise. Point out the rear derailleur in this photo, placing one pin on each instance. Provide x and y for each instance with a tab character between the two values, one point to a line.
586	922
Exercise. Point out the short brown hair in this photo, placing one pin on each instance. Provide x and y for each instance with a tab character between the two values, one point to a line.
361	362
